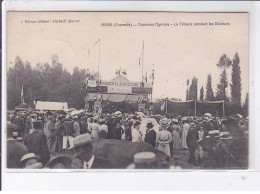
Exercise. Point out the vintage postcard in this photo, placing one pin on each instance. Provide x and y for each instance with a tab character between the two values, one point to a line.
127	90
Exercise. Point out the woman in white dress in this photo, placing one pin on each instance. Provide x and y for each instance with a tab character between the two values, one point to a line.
176	135
102	129
94	132
136	135
164	137
186	128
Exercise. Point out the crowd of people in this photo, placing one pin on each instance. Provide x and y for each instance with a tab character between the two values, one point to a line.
211	142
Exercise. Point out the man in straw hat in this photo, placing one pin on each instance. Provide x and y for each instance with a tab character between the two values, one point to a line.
83	150
29	160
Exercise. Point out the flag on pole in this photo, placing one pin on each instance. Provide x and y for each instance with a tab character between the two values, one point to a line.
22	96
163	106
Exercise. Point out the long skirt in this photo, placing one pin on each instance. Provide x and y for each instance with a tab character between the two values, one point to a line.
183	139
176	140
165	148
94	134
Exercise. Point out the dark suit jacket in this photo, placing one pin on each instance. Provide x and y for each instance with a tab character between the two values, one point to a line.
192	138
15	151
36	143
99	163
68	128
150	138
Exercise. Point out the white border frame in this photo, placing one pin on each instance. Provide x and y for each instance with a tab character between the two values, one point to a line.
144	180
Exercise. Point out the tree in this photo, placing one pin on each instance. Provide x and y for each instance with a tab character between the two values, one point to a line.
193	89
202	94
221	87
47	83
246	106
223	63
209	91
236	84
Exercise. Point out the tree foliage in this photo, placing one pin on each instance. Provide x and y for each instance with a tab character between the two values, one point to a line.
236	83
209	91
202	94
223	63
46	82
193	92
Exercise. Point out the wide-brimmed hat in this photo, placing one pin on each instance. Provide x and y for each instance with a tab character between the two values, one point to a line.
175	120
27	157
213	133
81	140
165	122
65	160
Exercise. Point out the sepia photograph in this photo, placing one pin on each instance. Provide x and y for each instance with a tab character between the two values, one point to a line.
127	90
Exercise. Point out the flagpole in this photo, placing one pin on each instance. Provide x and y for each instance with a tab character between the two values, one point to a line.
143	63
98	56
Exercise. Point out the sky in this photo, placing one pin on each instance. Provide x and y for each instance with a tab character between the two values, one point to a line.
178	52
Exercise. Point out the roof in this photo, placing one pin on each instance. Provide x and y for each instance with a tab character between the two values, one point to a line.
120	78
44	105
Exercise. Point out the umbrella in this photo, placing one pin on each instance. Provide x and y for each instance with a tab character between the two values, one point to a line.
141	114
22	107
75	112
117	112
184	118
240	116
120	153
81	111
207	114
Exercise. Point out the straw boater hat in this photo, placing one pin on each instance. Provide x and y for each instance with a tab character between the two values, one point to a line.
27	157
165	122
81	140
143	158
